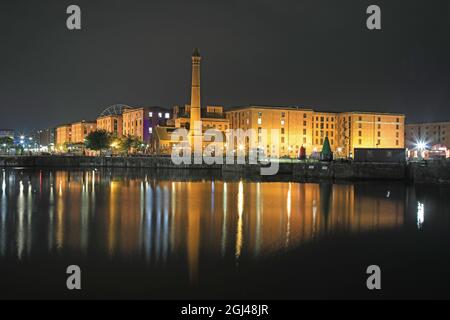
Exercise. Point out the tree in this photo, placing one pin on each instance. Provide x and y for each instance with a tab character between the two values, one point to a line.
128	143
6	143
97	140
326	153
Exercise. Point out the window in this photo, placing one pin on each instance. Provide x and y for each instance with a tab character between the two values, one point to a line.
167	115
259	121
360	118
379	119
160	114
379	126
304	131
359	125
282	122
283	114
359	133
282	139
304	123
359	141
150	130
378	142
150	114
304	115
397	126
282	130
332	142
304	140
379	133
396	142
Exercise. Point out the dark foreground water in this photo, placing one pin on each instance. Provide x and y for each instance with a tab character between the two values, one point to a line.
178	234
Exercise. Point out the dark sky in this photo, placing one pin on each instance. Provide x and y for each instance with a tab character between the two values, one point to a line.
312	53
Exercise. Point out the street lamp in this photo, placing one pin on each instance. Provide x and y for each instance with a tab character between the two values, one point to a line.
421	146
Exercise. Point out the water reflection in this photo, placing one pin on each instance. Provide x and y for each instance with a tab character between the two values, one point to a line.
136	215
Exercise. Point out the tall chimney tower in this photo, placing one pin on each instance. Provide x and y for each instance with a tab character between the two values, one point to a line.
195	95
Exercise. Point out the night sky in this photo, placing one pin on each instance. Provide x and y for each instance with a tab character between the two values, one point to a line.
311	53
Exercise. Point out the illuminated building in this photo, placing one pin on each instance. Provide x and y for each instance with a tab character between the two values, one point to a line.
294	126
211	117
111	123
81	129
63	135
305	127
370	130
429	134
141	122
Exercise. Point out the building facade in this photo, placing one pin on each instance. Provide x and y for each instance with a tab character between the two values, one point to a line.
293	125
112	124
63	135
211	117
80	130
370	130
302	127
428	134
141	122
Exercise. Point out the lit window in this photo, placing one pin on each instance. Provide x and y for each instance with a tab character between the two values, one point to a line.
167	115
150	130
259	120
150	114
160	114
282	122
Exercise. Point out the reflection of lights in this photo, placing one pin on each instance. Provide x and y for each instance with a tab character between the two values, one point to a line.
420	214
241	147
288	209
239	223
224	221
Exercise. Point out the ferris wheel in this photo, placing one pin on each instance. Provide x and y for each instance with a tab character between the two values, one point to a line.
114	110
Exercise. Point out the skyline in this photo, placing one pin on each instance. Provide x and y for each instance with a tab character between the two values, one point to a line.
314	55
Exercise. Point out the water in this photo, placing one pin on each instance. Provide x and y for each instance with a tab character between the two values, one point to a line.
142	233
